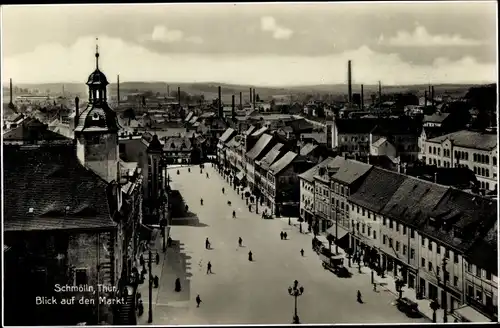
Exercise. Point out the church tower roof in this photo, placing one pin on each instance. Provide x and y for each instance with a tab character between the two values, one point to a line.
98	116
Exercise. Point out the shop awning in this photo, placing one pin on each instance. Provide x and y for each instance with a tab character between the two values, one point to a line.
240	176
471	315
340	231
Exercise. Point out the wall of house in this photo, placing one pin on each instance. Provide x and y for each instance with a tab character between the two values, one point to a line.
306	198
369	231
480	286
385	149
354	143
322	204
133	149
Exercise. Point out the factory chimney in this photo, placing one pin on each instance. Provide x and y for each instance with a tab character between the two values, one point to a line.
233	111
118	89
250	101
168	90
379	92
432	95
349	81
77	110
11	103
254	98
220	110
179	96
241	101
425	98
362	98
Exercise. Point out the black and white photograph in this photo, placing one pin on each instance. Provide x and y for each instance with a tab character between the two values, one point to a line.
277	163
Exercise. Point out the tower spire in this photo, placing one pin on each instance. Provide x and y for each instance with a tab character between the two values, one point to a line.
97	53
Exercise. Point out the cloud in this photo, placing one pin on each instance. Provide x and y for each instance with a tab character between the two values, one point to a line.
163	34
269	24
75	63
420	37
195	40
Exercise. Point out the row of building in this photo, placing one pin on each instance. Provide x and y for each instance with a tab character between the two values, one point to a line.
440	241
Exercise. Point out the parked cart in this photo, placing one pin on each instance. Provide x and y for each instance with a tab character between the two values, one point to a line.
334	263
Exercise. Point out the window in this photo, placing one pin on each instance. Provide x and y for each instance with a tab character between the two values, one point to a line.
369	230
352	207
423	262
430	266
469	267
363	212
488	275
423	241
397	227
363	228
374	234
383	221
81	277
494	161
478	272
405	248
455	281
479	295
470	291
357	209
438	271
412	233
455	257
397	246
439	151
412	253
383	239
390	224
447	254
430	149
438	249
404	230
429	244
390	242
369	216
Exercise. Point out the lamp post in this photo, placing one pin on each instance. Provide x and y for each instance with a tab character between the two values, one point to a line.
150	314
295	291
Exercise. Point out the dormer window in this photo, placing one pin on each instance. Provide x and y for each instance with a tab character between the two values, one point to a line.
95	117
172	145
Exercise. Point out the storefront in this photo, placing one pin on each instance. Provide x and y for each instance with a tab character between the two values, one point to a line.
466	313
339	236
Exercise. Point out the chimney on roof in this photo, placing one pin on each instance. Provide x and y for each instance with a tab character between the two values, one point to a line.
362	98
179	96
349	82
118	89
10	92
241	100
233	112
220	110
77	110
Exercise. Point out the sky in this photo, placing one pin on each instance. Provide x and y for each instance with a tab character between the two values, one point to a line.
267	44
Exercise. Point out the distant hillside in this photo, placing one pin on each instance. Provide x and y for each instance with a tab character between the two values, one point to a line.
209	90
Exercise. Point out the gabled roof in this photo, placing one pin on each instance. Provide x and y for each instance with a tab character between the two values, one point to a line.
48	179
188	117
283	163
307	149
436	117
251	129
351	171
193	119
155	144
300	125
177	144
469	139
226	135
309	174
355	126
379	142
414	200
263	141
377	189
32	129
259	132
484	252
207	115
271	156
319	137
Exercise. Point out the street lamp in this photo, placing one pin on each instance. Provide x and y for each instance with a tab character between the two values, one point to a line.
150	314
295	291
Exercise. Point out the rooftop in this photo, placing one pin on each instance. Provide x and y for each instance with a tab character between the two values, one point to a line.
469	139
263	141
283	162
271	156
436	118
307	149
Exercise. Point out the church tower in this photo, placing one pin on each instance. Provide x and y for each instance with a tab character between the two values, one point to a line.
96	129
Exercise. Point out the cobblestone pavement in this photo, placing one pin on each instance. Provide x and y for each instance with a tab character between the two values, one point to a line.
243	292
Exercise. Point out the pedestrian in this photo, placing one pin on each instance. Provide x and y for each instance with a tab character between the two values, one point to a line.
201	201
281	235
300	227
141	260
209	267
157	258
177	285
289	221
285	235
250	256
359	297
207	176
302	252
234	214
137	297
140	308
240	241
189	170
207	244
156	281
222	190
169	241
198	300
249	208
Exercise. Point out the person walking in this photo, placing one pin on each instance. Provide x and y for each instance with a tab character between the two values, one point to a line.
209	267
250	256
281	235
302	252
359	297
157	258
177	285
198	300
234	214
285	235
240	241
223	189
207	244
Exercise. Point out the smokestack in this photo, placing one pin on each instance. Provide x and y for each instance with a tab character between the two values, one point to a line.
77	110
233	112
241	100
425	98
432	95
118	89
10	92
220	103
379	92
254	98
179	95
168	90
250	101
349	81
362	98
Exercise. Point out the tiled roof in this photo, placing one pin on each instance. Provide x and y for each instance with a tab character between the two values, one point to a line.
435	118
226	135
414	200
377	189
432	132
193	119
319	137
259	132
207	115
469	139
251	128
307	149
300	125
188	117
32	129
263	141
379	142
177	143
282	163
309	174
355	126
48	179
351	171
271	156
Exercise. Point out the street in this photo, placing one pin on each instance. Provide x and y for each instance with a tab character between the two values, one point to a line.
243	292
